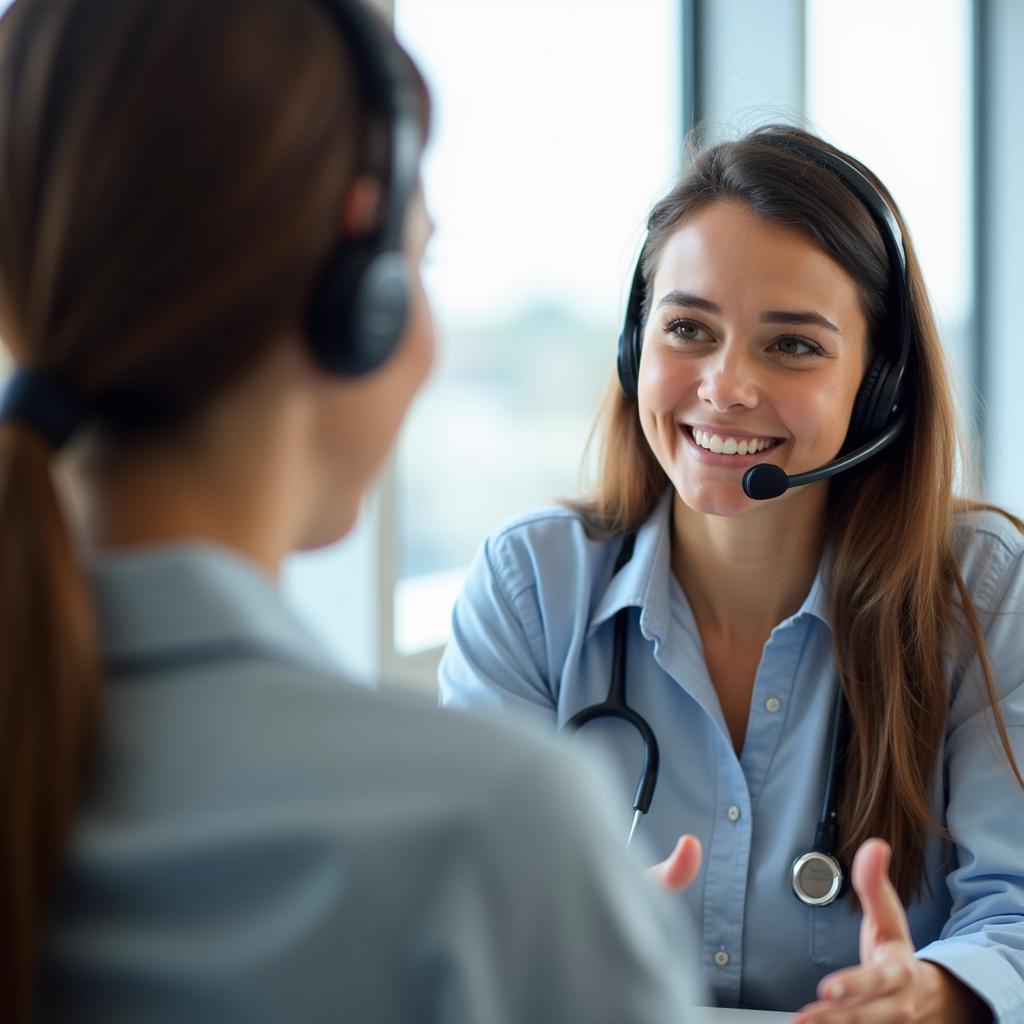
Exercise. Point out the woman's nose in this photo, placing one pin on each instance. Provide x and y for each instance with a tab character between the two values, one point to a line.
728	382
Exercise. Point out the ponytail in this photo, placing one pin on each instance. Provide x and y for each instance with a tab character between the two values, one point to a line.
49	676
171	181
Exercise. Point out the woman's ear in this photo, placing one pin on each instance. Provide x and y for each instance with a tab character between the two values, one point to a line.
360	210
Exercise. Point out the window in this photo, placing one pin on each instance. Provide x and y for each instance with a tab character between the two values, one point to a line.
557	124
899	99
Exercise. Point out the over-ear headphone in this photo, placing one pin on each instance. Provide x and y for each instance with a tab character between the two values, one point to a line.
882	386
359	306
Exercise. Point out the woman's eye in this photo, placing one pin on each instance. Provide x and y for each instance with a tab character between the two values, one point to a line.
797	347
686	330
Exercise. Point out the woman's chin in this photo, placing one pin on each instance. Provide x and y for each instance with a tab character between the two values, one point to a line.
718	499
333	525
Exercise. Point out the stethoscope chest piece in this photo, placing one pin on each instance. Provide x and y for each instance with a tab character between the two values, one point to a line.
817	878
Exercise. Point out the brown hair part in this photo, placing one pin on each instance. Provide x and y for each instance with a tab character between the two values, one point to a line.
900	607
172	177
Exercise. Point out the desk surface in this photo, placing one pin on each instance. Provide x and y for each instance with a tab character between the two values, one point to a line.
710	1016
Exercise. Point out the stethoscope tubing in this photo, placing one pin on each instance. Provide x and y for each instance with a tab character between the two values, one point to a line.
819	864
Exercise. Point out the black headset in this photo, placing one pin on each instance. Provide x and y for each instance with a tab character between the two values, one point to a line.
360	303
882	386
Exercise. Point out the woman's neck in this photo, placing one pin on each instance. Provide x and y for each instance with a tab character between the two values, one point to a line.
155	498
744	574
240	475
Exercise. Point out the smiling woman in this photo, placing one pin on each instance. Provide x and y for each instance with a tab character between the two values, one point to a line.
846	653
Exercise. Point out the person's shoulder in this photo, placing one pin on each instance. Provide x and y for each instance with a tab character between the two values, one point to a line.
554	542
550	522
987	526
488	782
466	748
462	756
503	781
988	546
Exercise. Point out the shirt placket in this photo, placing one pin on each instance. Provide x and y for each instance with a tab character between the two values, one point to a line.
737	782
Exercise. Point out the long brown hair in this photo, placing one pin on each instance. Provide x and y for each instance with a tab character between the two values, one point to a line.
899	602
171	180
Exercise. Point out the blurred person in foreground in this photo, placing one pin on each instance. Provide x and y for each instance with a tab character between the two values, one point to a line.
210	235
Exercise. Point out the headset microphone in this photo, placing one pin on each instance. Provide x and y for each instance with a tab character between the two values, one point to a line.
766	480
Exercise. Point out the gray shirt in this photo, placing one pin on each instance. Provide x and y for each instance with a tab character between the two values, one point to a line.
261	841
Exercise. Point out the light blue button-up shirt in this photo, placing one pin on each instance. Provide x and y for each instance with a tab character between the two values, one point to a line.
533	635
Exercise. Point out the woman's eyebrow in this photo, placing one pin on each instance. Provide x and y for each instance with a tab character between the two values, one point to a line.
773	316
678	298
798	316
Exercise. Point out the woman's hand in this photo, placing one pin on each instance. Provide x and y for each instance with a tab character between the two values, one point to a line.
891	985
680	867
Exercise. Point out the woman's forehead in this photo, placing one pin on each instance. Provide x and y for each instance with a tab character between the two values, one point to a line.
724	251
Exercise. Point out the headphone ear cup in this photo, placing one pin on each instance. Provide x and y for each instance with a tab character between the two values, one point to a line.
864	414
629	358
885	396
359	310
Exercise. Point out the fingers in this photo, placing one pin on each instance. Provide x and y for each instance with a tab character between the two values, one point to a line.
678	870
855	1011
866	982
881	993
902	988
884	917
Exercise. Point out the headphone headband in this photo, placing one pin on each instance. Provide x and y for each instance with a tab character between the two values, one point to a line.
358	311
882	386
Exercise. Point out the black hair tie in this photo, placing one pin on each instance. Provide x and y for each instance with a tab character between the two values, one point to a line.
43	403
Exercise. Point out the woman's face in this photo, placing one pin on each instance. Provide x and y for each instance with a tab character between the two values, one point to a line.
753	352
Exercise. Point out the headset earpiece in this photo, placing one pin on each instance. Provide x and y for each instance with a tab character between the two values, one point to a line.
875	402
866	401
631	337
629	359
357	313
359	310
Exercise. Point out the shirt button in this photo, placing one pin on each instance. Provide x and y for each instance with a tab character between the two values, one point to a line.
722	958
772	704
733	813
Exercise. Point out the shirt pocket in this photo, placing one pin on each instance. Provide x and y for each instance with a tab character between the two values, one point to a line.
834	935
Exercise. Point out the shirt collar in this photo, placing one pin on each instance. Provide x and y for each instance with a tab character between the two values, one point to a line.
643	581
818	602
159	604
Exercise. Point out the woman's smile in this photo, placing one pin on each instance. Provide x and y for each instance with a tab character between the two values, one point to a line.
732	449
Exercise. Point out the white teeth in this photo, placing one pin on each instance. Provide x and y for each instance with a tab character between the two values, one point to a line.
729	445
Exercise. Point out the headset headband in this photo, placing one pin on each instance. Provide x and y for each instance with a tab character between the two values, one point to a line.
892	238
358	312
388	91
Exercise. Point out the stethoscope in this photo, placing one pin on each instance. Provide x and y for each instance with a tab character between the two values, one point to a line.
817	877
